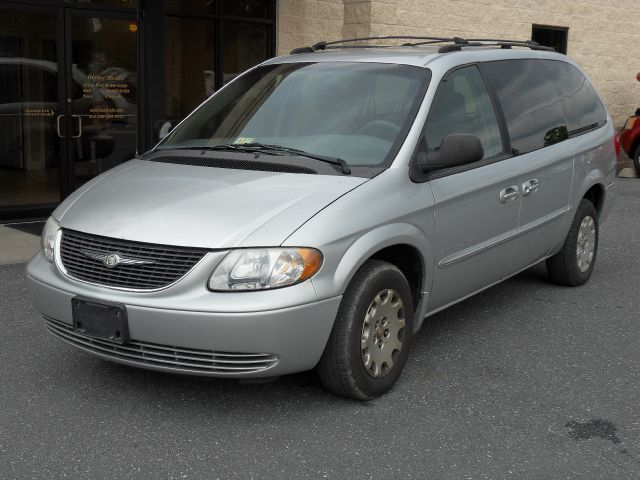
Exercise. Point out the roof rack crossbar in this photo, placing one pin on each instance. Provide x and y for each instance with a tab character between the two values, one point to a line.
454	43
323	45
501	44
528	42
455	40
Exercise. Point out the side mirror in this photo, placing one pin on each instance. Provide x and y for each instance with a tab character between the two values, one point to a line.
456	149
163	128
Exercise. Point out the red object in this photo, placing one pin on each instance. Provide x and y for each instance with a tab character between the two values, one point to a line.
638	76
630	135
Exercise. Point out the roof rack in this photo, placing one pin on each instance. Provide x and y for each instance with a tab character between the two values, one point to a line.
452	44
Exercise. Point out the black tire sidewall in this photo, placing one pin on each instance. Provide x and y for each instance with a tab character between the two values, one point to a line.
382	277
636	159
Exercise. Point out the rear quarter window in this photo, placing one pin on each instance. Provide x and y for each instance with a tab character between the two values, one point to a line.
582	106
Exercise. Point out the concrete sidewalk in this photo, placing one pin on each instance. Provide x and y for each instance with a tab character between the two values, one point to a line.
17	246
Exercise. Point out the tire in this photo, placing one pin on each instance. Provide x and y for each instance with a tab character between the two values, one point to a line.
355	339
636	159
572	266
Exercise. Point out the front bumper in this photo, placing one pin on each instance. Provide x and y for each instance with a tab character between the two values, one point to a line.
188	329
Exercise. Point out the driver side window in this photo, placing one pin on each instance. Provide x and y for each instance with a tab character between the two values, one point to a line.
463	105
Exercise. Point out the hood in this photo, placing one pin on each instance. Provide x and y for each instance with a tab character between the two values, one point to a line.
199	206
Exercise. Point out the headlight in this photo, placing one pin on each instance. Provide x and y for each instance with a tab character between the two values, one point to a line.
264	268
48	238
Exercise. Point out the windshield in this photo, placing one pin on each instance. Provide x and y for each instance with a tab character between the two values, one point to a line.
356	112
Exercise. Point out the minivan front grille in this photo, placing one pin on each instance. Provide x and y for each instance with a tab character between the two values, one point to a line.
139	266
187	360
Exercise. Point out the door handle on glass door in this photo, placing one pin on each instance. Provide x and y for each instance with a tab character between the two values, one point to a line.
79	117
530	187
58	126
509	194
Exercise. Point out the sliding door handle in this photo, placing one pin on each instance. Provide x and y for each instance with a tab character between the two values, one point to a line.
509	194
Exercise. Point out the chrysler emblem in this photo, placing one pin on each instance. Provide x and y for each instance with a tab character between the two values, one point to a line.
112	260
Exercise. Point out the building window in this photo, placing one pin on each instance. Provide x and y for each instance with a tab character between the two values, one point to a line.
245	45
189	76
548	36
208	44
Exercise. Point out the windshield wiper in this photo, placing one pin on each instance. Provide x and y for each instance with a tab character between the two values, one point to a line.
266	147
274	149
222	147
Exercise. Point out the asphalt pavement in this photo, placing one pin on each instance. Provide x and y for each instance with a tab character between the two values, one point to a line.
525	380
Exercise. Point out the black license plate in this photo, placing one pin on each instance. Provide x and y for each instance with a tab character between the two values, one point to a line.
100	319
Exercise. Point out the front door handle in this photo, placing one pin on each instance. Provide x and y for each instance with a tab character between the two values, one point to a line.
509	194
58	131
79	126
530	187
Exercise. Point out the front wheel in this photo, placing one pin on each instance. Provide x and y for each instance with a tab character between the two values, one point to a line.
370	339
636	159
573	264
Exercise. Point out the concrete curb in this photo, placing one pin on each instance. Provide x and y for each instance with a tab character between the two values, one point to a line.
17	246
628	172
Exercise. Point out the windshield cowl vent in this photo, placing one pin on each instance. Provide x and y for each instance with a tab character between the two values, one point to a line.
234	164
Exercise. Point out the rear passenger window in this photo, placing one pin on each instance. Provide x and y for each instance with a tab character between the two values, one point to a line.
462	105
530	101
582	107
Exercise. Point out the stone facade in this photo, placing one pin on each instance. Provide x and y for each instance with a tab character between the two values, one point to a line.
602	36
305	22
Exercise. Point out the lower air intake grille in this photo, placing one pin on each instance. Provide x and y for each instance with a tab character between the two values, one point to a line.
186	360
139	266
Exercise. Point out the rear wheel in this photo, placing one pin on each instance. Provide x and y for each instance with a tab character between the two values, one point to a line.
370	340
574	264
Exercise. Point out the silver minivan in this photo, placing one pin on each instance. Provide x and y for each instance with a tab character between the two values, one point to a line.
315	210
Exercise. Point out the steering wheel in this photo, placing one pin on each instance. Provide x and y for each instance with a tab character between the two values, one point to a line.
381	129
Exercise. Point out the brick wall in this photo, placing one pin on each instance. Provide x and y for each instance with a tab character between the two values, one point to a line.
603	34
305	22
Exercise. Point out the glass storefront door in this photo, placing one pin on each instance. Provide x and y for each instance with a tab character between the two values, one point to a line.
68	109
101	93
72	102
30	107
